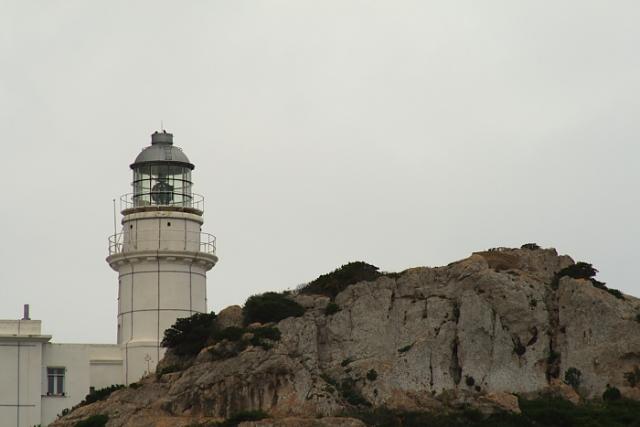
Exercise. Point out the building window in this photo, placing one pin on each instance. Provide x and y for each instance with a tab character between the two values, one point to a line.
55	381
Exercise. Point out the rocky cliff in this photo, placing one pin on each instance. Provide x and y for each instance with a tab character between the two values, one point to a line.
475	332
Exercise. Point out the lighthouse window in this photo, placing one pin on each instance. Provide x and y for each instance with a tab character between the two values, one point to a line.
162	184
55	381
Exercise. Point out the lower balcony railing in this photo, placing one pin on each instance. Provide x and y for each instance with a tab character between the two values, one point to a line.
189	241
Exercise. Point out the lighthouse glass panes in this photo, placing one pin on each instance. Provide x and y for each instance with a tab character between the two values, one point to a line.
162	185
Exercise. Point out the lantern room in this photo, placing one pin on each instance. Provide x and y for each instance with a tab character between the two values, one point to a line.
162	175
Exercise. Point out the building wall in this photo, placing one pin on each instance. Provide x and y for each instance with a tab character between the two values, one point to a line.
86	366
20	362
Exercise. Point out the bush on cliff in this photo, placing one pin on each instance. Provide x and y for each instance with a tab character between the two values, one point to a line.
93	421
189	335
331	284
270	307
100	394
547	412
583	270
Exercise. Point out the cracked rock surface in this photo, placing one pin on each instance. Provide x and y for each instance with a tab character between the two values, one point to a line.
473	332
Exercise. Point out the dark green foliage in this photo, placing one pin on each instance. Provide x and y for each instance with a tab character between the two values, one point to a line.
530	246
405	348
611	393
100	394
470	381
135	386
351	394
332	308
232	333
189	335
239	417
235	419
518	347
262	336
638	317
583	270
167	370
601	285
270	307
329	380
544	412
372	375
579	270
347	389
346	361
331	284
94	421
573	377
633	377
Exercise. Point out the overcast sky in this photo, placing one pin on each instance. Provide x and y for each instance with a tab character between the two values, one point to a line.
401	133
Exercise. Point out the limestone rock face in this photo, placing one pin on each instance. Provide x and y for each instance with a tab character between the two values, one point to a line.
475	331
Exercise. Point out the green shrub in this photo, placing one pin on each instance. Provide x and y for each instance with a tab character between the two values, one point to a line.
270	307
331	284
518	347
372	375
583	270
637	317
469	380
94	421
100	394
189	335
242	416
235	419
267	332
135	386
530	246
633	377
167	370
261	336
405	348
346	361
331	308
232	333
611	394
351	394
573	377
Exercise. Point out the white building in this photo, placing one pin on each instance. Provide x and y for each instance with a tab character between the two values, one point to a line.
161	257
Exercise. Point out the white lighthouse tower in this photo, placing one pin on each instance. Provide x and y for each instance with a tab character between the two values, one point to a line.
161	256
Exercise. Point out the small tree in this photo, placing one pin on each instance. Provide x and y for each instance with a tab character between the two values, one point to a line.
633	377
573	377
611	394
189	335
270	307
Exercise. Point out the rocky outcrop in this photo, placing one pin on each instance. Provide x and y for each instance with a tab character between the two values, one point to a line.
471	333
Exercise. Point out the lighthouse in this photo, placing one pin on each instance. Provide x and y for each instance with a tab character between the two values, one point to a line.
161	254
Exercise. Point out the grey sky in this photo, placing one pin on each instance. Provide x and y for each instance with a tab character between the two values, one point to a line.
402	133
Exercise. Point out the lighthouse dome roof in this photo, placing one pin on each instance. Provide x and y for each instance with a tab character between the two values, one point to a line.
162	150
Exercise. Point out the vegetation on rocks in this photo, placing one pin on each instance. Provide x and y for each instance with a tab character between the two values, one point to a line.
583	270
100	394
331	308
546	411
189	335
331	284
573	377
633	377
99	420
270	307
